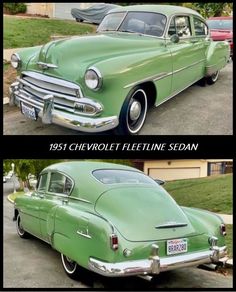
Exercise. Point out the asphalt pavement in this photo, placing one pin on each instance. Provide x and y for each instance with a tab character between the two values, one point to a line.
31	263
198	110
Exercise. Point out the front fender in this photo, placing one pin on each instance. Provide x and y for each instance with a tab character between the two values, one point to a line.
217	56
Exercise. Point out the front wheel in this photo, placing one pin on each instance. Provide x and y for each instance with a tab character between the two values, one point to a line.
213	78
133	112
71	267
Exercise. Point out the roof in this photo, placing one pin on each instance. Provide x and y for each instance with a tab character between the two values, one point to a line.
220	18
87	186
163	9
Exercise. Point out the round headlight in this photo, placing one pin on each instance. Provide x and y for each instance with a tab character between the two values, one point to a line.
93	79
15	60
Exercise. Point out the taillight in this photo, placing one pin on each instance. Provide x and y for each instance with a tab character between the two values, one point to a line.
114	241
223	229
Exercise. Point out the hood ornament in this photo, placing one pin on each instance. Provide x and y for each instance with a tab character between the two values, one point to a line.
46	66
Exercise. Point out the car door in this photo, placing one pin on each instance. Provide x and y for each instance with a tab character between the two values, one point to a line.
31	209
187	61
59	188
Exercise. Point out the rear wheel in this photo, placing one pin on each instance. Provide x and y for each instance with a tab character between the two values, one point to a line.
213	78
71	267
19	228
133	112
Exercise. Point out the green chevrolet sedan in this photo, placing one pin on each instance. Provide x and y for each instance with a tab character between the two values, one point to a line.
116	221
141	56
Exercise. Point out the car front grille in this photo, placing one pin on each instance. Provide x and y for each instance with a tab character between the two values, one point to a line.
36	86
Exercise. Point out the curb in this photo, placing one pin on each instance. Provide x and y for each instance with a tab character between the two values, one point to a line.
10	200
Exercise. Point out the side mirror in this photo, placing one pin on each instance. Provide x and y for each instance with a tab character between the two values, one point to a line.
174	38
160	181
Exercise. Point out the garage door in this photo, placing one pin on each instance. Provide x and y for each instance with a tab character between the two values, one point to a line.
174	173
63	10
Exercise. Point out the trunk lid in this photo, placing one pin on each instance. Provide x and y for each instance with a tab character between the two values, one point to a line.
142	213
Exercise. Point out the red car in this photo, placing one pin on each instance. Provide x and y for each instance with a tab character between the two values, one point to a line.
221	29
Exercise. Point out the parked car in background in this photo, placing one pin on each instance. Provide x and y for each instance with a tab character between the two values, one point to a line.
116	221
93	14
221	29
141	56
4	179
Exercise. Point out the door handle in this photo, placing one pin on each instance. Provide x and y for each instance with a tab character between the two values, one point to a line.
65	201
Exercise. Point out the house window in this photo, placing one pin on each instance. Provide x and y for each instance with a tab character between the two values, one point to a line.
216	168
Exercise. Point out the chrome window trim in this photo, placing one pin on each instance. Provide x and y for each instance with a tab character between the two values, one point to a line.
62	173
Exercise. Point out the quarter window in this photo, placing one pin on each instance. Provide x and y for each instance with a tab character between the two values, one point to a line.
42	182
60	184
200	27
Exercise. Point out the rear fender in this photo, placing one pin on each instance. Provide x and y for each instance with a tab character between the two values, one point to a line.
217	56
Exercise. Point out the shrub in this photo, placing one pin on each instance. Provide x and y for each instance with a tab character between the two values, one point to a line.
14	8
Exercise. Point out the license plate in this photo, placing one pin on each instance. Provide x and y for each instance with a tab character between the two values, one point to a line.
177	246
28	111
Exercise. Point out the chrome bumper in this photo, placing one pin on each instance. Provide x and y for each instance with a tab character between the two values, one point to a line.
50	115
155	265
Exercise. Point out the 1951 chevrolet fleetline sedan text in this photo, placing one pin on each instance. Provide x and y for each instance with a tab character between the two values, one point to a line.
141	56
116	221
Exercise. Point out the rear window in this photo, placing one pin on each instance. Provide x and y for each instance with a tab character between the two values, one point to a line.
117	176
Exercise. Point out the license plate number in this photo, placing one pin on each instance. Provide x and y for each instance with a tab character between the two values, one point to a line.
177	246
28	111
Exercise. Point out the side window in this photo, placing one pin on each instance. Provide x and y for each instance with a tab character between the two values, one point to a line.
182	26
200	27
60	184
42	182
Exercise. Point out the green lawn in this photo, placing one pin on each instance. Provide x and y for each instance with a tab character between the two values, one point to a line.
22	32
213	193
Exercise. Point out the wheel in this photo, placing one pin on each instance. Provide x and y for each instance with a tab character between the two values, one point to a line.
71	267
20	230
133	112
213	78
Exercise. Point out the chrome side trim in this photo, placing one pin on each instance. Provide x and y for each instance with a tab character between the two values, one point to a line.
86	235
176	92
163	75
156	265
80	199
151	78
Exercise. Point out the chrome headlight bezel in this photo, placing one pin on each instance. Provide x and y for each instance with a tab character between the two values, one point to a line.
93	78
15	61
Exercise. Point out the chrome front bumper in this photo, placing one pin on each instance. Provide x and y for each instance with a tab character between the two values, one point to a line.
155	265
50	115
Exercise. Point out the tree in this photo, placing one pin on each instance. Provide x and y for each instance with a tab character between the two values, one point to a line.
212	9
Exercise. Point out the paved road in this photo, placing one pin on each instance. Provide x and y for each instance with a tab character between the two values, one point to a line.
196	111
31	263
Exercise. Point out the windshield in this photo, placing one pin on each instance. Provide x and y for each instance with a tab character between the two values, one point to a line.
148	23
220	24
116	176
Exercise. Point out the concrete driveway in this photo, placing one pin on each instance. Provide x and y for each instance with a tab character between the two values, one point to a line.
31	263
198	110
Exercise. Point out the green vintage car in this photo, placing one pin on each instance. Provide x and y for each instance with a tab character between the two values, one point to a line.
141	56
116	221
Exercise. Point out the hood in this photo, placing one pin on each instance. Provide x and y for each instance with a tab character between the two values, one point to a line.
75	53
144	213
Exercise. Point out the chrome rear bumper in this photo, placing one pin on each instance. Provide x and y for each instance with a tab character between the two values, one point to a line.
50	115
155	265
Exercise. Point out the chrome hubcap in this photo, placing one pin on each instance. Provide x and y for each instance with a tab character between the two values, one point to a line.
135	110
215	76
